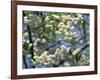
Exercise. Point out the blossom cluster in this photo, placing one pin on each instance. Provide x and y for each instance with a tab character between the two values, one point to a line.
32	20
66	27
60	54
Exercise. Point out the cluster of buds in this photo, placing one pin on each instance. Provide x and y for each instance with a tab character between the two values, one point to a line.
47	18
66	26
32	20
46	59
66	30
60	54
66	18
53	16
26	20
43	60
79	19
39	40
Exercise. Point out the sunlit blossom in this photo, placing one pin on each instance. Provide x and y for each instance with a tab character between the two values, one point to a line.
56	16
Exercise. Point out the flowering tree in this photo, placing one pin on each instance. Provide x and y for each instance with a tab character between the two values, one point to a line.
55	39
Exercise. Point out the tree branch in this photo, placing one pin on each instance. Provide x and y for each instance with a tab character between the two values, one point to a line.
24	60
53	45
30	39
85	46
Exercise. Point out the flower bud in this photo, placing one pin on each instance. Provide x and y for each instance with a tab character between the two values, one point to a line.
61	24
68	49
38	39
47	18
28	41
43	40
69	23
48	25
61	30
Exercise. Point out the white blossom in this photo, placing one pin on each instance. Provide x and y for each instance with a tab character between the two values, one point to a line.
66	33
35	54
33	62
48	25
80	16
68	27
83	57
66	38
38	40
75	35
44	55
82	21
52	56
77	19
36	49
52	61
35	43
51	21
62	56
75	22
65	30
66	64
68	16
61	30
68	49
69	23
30	45
72	34
64	17
30	15
69	38
47	18
46	63
43	40
76	51
27	41
63	47
43	59
57	52
25	34
42	62
57	32
26	19
56	16
35	57
61	24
